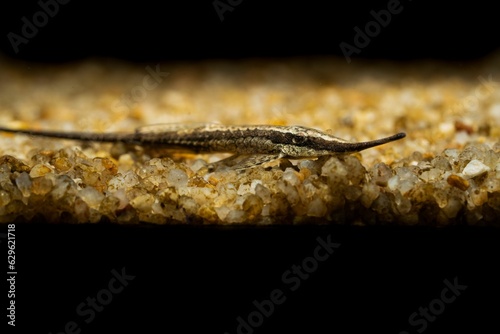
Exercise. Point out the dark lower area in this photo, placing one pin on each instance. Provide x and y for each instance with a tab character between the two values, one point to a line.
189	279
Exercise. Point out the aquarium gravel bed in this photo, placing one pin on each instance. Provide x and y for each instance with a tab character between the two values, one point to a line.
446	171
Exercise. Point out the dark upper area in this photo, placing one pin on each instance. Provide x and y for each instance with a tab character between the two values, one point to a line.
148	31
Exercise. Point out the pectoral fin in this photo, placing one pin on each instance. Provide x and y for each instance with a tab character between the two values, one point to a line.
244	161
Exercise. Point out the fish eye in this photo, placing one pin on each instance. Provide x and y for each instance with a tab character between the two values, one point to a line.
298	139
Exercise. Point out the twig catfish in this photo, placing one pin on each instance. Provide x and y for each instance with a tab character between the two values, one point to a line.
262	143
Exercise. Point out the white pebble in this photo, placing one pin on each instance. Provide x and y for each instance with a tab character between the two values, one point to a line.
475	168
177	178
123	181
462	137
222	212
495	112
291	177
243	189
393	182
446	128
451	153
254	184
91	196
23	182
197	164
122	196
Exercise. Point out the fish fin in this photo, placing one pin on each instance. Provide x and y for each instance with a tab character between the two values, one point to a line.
245	161
174	127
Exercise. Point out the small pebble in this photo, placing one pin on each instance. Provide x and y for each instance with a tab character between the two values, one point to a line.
458	182
475	168
4	198
23	183
316	208
292	177
42	185
177	178
142	202
381	174
39	170
91	196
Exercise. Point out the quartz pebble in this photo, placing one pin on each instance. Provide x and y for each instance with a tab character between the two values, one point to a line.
475	168
40	170
23	183
316	208
42	185
91	196
177	178
4	198
381	173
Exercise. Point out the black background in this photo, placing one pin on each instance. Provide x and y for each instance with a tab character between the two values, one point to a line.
191	279
154	31
200	279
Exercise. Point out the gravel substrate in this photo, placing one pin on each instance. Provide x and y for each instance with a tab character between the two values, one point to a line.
446	171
